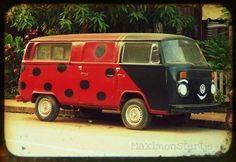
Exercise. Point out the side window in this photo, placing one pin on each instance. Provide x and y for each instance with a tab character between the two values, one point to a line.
42	52
53	52
58	53
155	54
136	53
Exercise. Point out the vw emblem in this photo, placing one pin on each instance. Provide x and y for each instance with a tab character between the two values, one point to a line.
202	88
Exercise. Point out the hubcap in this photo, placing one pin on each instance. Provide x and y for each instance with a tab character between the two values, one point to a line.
44	107
134	115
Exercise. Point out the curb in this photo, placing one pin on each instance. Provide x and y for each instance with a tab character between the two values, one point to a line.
197	122
30	110
14	109
63	112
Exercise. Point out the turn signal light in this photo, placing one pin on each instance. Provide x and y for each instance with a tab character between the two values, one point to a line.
183	75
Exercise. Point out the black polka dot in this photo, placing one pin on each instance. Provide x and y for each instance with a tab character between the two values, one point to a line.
84	84
100	50
22	85
68	92
61	67
101	96
110	72
47	86
36	71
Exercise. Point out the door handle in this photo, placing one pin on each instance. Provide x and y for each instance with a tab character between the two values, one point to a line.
118	69
80	67
121	75
83	73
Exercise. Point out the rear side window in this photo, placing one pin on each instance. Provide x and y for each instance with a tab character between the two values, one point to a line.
141	53
55	51
28	51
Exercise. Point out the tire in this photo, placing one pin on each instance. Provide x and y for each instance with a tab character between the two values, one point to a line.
178	120
46	108
135	115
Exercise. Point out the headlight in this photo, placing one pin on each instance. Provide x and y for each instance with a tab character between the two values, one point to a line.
213	88
182	90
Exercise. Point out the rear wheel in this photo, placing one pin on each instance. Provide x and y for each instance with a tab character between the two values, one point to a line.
135	115
46	108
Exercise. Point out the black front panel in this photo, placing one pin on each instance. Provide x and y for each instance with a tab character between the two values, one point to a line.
159	84
195	95
152	82
196	77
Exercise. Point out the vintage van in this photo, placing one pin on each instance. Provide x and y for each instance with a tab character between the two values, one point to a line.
140	74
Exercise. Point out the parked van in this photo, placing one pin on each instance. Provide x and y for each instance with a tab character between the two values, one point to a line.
140	74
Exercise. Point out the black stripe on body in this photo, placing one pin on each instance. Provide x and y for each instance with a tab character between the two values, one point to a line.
151	79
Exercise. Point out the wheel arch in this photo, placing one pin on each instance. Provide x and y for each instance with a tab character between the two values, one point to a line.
36	94
131	94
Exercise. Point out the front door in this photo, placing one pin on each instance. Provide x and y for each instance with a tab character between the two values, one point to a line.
141	65
97	75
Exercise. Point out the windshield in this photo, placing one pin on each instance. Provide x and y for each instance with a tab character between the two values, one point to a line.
182	52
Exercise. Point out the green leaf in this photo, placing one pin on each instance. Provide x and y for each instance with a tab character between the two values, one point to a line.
8	39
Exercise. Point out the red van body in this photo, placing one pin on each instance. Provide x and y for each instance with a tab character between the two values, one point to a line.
86	71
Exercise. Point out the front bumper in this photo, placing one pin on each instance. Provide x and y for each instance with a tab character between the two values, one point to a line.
195	108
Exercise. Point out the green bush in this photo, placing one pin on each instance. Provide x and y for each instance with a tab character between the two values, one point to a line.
219	56
220	97
13	52
84	18
217	51
20	17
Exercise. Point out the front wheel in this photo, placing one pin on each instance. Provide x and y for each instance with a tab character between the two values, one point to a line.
135	115
46	108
